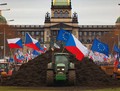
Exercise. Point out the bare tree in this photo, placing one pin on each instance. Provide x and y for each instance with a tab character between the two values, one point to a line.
6	32
112	38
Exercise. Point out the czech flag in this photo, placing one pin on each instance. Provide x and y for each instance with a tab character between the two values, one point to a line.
15	43
17	59
32	43
74	46
45	48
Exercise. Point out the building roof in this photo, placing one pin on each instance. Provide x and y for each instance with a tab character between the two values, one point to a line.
61	2
118	20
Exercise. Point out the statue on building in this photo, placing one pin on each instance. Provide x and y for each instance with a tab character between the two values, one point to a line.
75	17
47	14
75	14
47	17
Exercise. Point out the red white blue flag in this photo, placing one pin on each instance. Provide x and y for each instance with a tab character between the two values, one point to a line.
32	43
74	46
15	43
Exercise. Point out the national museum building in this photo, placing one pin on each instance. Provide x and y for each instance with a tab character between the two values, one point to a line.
62	17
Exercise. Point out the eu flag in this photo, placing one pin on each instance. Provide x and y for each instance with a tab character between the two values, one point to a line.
98	46
35	53
63	35
116	49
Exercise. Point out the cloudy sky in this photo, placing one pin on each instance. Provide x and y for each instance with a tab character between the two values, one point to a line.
90	12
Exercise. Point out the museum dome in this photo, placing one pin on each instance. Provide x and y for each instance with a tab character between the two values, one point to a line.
118	20
2	19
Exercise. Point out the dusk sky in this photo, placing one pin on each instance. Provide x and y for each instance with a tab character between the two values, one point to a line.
90	12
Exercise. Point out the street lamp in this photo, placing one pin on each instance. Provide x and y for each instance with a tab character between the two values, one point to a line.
5	41
10	20
4	34
5	10
3	4
3	47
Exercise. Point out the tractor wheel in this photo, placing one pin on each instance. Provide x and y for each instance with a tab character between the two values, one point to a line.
71	77
50	77
114	75
1	79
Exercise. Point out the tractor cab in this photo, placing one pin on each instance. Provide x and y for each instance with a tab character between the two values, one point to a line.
4	66
4	70
61	62
61	69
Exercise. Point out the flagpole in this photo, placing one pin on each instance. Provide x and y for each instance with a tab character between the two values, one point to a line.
4	44
24	47
12	55
63	50
113	47
118	40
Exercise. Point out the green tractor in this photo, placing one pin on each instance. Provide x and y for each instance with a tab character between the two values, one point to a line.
61	69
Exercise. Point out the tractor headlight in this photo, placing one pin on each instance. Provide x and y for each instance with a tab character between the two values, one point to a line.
58	69
63	69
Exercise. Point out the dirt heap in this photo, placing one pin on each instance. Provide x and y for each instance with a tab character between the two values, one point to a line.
88	73
33	73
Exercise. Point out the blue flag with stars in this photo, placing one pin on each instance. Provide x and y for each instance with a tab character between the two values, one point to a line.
116	49
100	47
63	35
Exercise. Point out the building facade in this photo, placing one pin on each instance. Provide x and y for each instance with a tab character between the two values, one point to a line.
62	17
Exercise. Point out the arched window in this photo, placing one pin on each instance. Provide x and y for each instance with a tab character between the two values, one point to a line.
37	33
82	40
55	14
66	14
61	14
23	33
32	33
88	40
80	33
